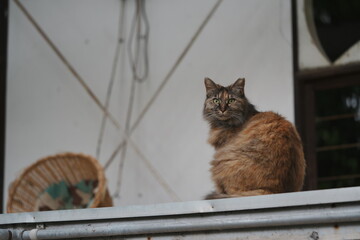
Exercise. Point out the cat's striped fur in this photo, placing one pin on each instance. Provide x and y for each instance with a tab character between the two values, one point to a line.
256	152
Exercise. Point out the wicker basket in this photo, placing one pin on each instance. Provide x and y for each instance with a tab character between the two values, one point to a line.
68	167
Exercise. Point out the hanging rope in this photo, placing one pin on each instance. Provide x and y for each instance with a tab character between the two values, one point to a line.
136	77
119	43
166	79
141	43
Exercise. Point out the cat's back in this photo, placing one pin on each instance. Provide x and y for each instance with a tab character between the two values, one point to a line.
267	143
269	125
265	133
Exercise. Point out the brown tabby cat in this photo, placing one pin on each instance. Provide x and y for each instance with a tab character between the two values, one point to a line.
256	152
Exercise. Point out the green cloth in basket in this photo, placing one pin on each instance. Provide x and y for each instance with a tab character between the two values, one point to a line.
63	195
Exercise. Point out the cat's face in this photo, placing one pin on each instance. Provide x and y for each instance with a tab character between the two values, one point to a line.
225	105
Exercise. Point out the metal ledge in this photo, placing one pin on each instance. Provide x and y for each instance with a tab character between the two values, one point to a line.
220	218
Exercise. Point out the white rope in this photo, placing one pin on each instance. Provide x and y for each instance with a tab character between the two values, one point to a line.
119	43
166	79
136	26
175	66
141	40
128	131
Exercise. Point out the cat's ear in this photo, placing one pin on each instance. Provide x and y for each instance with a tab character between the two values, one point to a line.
209	85
238	86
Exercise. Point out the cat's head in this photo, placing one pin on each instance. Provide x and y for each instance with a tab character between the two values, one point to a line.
225	106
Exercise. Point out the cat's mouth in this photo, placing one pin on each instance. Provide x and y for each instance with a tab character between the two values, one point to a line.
223	116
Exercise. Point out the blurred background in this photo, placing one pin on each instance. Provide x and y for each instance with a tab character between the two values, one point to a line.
122	80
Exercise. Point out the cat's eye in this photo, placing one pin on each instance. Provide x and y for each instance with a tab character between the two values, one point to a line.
231	100
216	101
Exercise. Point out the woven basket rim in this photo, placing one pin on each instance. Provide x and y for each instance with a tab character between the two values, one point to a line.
99	195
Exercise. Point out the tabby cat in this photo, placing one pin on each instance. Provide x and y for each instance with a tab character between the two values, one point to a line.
256	152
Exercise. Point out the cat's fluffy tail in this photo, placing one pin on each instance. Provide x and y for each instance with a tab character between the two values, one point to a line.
215	195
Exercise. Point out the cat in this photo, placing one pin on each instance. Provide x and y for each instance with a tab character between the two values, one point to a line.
256	153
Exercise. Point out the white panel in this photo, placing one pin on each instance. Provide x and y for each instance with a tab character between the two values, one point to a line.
49	112
85	32
235	43
352	55
172	25
174	135
255	45
138	185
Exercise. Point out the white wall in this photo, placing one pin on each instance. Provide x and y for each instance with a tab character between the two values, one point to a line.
49	112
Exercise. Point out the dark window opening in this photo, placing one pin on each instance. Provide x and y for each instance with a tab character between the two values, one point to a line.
328	113
337	124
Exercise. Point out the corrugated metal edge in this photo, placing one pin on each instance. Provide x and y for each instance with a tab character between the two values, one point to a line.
341	195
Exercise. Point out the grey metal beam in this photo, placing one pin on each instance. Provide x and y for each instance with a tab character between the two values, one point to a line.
5	234
198	223
308	198
291	212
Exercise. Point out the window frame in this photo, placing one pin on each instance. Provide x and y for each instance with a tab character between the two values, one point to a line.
306	83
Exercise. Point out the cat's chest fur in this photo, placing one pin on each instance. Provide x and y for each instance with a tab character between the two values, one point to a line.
219	137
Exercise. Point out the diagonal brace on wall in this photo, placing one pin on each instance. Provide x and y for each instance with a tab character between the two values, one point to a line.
122	145
148	105
166	80
67	64
96	100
